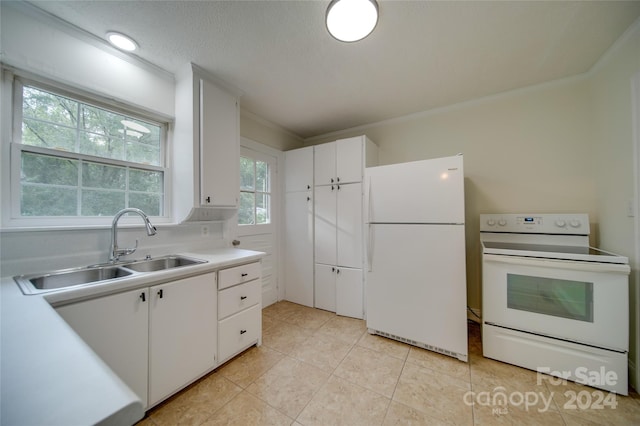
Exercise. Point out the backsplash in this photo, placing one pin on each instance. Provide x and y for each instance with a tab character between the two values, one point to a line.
43	250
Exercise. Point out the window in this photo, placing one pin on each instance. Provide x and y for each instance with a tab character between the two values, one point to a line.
255	191
74	157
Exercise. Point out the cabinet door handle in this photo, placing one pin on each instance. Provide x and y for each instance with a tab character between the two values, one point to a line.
208	200
331	180
338	179
332	187
308	186
337	271
243	297
243	331
160	293
143	297
308	198
338	187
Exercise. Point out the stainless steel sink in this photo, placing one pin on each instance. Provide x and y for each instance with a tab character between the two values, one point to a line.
66	278
161	263
55	280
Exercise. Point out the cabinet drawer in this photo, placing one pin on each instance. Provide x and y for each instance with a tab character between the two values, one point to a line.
238	332
237	275
237	298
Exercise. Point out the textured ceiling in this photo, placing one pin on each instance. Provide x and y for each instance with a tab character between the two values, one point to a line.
422	54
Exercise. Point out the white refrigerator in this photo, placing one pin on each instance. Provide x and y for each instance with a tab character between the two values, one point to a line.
416	271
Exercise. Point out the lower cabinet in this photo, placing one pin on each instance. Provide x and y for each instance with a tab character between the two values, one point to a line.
340	290
182	334
156	339
116	328
239	309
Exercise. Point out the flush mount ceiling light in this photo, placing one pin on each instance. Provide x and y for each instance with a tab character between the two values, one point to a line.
351	20
121	41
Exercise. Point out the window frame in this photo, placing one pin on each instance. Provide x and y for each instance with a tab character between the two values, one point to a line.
13	82
250	229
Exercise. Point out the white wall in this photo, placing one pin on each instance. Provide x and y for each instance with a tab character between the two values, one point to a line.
611	94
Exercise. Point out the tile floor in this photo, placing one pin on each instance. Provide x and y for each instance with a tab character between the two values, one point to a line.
316	368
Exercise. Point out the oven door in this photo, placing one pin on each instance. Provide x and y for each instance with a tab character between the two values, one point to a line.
584	302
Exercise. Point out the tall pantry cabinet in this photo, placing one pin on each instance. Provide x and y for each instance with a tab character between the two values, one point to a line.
298	226
335	273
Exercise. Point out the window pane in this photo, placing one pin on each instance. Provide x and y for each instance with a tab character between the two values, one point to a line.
247	209
263	208
145	181
102	203
151	204
44	200
52	121
96	175
47	135
247	174
262	176
101	146
47	169
45	106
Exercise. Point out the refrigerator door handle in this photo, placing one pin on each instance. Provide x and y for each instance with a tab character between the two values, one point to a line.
370	249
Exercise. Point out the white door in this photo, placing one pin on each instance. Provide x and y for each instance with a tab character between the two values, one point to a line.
428	191
349	225
298	173
416	284
298	246
349	292
259	215
349	159
121	340
325	287
324	164
219	133
325	224
183	325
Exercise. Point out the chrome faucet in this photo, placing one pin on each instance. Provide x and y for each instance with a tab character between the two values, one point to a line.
117	252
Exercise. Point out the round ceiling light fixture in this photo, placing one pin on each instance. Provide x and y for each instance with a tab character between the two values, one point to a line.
122	41
351	20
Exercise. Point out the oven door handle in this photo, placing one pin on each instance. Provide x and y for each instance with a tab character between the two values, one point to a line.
558	264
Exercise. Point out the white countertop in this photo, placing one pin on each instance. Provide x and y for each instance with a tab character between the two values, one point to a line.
49	376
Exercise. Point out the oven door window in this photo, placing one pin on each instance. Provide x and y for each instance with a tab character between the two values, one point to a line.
550	296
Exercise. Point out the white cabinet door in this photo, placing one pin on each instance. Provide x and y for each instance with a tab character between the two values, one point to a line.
349	160
349	292
299	169
219	147
115	327
182	333
325	287
349	225
324	163
298	273
325	224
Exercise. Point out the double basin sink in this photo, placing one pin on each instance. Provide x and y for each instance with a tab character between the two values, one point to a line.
65	278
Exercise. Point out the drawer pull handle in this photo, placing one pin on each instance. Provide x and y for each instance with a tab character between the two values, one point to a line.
243	331
243	297
244	274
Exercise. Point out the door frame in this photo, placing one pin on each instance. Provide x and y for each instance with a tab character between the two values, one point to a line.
634	364
277	205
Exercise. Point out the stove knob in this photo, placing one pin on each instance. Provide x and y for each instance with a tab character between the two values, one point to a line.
502	222
561	223
575	223
491	222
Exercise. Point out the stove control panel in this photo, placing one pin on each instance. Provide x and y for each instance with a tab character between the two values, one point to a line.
547	223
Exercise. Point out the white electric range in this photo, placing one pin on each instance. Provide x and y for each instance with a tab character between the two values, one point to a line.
552	303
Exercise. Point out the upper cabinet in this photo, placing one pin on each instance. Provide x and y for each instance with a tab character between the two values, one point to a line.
298	172
206	148
344	160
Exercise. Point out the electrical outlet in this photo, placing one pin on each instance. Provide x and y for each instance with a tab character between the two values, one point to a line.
204	230
630	208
